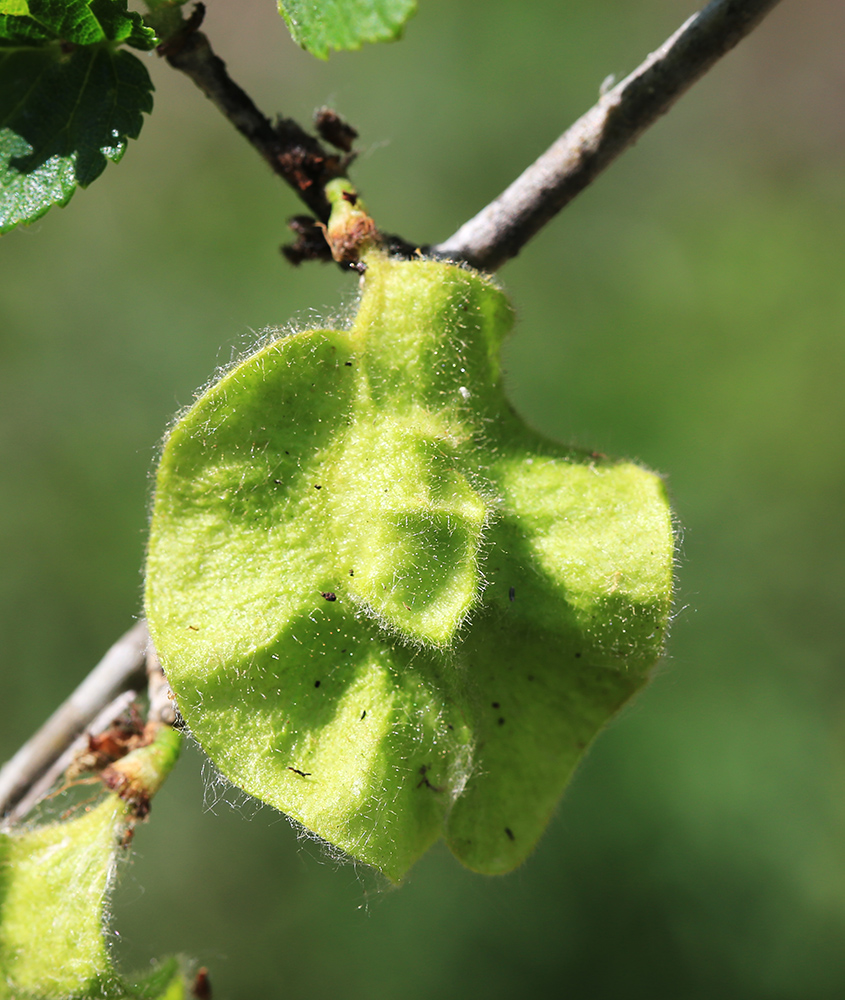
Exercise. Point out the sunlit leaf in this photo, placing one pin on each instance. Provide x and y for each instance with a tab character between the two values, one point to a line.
15	7
51	921
385	605
54	884
344	24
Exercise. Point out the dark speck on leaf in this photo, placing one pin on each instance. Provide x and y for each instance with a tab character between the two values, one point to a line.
509	832
302	774
364	714
424	780
329	595
577	656
352	572
316	487
277	481
348	364
316	684
531	677
495	704
512	593
501	721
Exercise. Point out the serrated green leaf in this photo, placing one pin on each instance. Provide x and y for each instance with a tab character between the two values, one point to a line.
54	883
17	31
73	22
121	25
62	117
49	20
385	605
344	24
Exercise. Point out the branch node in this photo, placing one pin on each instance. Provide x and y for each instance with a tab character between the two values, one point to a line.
334	130
174	43
310	243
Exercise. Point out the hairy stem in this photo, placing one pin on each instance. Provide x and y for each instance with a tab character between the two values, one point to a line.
500	230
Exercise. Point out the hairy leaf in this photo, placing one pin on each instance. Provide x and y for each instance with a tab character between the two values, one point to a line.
54	883
54	888
386	606
63	115
344	24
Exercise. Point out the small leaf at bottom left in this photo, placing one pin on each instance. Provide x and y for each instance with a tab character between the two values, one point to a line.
54	884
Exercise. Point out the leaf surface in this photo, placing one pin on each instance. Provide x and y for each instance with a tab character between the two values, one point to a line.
385	605
63	116
54	883
344	24
58	950
73	22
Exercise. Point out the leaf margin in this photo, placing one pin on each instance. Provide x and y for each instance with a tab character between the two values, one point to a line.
375	23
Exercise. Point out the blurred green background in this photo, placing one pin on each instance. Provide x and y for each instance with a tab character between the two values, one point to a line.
688	310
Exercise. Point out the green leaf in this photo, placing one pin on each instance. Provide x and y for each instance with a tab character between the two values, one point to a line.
62	117
122	26
16	31
65	109
54	883
48	949
385	605
73	22
166	982
344	24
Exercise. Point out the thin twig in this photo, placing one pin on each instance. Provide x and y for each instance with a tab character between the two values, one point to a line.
297	157
500	230
162	708
117	670
40	788
161	712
